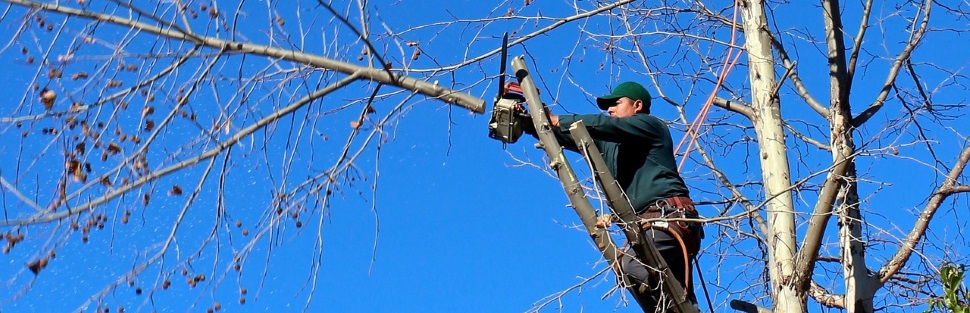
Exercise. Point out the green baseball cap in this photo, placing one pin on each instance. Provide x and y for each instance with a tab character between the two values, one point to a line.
630	90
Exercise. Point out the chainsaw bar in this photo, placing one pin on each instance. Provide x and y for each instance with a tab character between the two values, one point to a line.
505	123
504	60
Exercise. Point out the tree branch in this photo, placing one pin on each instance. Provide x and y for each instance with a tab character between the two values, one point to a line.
44	218
748	307
786	62
433	90
922	223
752	210
857	44
808	253
894	70
735	107
824	297
532	35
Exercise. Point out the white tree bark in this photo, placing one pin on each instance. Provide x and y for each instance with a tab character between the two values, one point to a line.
859	285
774	158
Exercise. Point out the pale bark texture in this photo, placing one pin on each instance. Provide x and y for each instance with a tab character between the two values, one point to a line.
772	150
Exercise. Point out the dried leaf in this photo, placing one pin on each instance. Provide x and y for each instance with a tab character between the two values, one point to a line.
37	265
113	148
47	97
176	190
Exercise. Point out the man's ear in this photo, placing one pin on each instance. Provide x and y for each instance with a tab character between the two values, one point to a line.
638	106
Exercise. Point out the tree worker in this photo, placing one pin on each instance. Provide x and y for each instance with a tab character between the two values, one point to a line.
639	153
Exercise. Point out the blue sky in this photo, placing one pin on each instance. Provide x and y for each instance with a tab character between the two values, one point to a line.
456	222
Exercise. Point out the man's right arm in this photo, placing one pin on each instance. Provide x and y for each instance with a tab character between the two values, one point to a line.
637	128
564	139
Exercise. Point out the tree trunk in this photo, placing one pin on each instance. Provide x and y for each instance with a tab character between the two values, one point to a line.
859	284
774	158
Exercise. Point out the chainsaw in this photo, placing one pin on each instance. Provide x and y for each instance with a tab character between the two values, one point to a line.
508	110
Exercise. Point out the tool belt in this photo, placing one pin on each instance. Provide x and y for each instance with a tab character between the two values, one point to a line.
677	207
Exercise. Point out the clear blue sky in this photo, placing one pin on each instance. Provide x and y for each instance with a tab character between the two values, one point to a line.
463	227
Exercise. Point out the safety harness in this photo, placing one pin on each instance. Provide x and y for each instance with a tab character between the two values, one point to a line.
657	217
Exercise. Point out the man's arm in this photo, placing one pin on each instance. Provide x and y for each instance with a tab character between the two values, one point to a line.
637	128
564	138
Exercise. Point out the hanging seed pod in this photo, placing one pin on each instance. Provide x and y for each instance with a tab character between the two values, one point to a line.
47	98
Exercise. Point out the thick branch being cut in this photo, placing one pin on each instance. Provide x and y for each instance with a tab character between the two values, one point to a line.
433	90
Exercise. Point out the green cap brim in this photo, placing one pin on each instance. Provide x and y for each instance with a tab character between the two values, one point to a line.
630	90
605	102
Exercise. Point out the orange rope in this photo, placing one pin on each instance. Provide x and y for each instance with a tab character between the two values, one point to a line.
694	130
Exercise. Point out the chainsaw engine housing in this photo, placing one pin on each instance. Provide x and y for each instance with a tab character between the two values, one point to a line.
504	125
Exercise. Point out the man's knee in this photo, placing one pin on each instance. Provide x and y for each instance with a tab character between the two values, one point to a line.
633	268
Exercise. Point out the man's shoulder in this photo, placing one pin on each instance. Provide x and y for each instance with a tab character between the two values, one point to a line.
648	119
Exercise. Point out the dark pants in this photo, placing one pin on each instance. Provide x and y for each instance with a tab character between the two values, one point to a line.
638	273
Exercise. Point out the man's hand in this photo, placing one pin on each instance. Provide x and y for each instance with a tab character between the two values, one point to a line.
604	221
553	119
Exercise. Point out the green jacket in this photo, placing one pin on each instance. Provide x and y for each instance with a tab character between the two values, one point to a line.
638	151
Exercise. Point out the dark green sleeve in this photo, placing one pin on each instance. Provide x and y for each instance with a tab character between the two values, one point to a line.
637	128
563	137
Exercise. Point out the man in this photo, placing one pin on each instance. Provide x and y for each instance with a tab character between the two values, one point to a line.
639	153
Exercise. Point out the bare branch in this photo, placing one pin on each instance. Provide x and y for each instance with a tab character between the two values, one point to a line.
857	44
948	188
808	253
44	218
534	34
914	40
824	297
735	107
433	90
748	307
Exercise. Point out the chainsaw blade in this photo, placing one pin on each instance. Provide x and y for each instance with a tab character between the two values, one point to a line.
505	54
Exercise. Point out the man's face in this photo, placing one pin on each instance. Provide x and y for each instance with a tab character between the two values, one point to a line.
625	107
